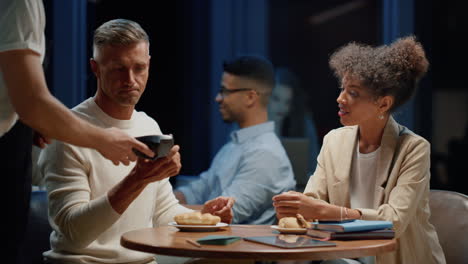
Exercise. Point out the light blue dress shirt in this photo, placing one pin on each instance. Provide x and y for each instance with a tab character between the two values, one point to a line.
252	168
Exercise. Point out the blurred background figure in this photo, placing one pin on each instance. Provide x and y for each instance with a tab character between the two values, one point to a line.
253	166
294	123
281	103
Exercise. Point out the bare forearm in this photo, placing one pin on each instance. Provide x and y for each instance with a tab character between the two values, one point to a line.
31	99
54	120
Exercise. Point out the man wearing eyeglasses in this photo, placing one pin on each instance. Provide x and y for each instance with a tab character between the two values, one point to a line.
253	166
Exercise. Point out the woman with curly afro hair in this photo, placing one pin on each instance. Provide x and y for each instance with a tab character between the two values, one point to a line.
373	168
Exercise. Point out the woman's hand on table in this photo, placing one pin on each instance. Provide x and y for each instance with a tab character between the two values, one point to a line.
220	206
291	203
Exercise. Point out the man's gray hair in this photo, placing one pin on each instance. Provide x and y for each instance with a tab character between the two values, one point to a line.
119	32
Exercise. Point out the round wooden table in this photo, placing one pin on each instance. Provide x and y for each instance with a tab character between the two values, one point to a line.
168	240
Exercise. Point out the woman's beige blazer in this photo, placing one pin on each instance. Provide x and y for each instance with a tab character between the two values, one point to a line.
401	193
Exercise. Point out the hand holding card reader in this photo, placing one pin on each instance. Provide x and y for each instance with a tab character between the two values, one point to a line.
160	144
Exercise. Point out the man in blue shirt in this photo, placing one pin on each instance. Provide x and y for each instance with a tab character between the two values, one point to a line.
253	166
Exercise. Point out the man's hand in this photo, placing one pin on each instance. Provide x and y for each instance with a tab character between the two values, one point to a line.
40	141
144	173
220	206
148	171
117	146
180	196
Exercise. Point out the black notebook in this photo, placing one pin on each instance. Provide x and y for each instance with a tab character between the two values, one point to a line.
290	241
330	235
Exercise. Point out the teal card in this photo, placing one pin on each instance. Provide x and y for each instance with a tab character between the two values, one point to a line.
218	240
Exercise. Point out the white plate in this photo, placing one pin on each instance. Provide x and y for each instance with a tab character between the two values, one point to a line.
289	230
199	228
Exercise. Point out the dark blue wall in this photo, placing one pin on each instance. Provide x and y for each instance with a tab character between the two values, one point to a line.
190	39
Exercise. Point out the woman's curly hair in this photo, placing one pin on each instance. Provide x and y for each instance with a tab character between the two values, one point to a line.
384	70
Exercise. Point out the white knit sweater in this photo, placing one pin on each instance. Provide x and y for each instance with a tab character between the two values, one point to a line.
86	229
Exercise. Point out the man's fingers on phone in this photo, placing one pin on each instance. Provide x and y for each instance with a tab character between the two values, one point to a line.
173	172
132	157
126	160
173	151
143	148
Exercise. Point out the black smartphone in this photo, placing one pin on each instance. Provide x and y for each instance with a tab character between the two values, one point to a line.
160	144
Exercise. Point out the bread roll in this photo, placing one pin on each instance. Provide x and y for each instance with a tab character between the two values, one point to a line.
294	222
196	218
289	222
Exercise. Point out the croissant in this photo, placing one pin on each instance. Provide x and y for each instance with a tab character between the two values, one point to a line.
196	218
304	223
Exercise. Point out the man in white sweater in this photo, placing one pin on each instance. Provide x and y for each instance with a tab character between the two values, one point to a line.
91	201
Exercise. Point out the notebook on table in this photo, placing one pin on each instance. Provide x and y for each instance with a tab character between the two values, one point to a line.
352	225
331	235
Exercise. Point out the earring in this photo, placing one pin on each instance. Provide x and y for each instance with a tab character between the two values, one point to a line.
381	116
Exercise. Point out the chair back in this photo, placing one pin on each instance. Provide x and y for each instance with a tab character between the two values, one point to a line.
38	230
449	215
297	149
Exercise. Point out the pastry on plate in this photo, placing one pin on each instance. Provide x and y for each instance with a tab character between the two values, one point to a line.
294	222
304	223
196	218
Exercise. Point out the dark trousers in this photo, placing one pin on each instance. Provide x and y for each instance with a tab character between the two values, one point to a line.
15	168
